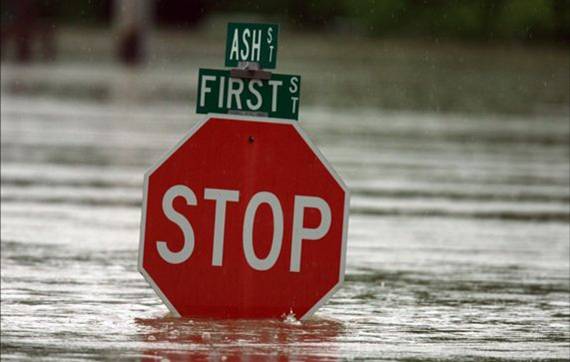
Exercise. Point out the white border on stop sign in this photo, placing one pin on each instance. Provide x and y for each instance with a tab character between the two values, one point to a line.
314	148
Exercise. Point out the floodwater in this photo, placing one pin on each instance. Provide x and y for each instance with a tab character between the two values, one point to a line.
458	241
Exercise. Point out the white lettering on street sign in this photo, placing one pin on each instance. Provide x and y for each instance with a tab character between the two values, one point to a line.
222	198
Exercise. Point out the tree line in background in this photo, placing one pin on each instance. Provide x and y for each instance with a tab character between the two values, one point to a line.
480	20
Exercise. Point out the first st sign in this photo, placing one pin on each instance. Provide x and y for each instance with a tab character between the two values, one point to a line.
277	97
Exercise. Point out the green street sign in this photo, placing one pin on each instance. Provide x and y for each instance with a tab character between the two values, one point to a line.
248	42
277	97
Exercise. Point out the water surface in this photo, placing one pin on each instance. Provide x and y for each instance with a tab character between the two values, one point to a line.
458	240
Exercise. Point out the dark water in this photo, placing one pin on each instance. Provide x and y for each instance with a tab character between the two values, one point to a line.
458	240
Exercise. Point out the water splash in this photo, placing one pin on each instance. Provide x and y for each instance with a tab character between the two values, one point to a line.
290	318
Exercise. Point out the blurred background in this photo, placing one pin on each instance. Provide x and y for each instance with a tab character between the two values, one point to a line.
483	56
448	119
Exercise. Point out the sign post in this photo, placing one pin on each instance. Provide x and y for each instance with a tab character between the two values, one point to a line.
244	217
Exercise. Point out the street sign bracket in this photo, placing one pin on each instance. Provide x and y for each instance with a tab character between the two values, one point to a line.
248	113
250	70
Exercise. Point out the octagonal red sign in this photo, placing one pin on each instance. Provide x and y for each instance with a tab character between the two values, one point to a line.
244	218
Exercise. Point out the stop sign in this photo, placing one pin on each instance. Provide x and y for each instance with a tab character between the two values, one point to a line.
244	218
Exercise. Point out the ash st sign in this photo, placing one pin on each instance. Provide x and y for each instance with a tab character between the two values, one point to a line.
255	43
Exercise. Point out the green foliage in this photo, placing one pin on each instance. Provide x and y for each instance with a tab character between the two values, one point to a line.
82	12
526	20
483	19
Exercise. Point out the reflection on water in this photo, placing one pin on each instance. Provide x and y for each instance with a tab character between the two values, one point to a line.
239	340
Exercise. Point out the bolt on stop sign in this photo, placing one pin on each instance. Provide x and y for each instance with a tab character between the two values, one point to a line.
244	218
